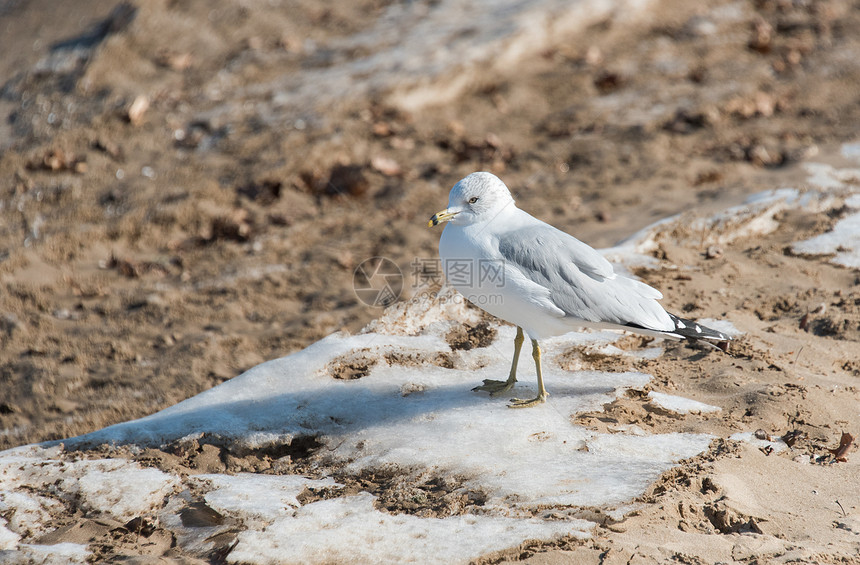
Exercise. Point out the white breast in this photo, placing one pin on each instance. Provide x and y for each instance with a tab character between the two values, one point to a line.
479	273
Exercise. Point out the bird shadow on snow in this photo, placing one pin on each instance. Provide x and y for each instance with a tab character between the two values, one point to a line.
331	408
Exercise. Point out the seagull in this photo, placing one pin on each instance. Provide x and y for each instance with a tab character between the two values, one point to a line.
541	279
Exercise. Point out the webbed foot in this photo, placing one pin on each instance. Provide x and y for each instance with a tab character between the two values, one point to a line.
495	388
519	403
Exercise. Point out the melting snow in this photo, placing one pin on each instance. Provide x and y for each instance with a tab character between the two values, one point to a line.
843	241
851	151
365	535
827	177
8	538
115	486
681	405
57	554
413	416
259	497
426	418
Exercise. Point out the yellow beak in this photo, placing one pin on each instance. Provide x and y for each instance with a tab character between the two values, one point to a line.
442	216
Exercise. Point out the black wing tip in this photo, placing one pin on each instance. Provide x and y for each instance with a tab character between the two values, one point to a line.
693	330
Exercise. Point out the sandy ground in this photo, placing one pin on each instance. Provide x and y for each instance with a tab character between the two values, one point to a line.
154	244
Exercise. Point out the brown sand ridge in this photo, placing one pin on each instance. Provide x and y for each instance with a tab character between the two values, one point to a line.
165	225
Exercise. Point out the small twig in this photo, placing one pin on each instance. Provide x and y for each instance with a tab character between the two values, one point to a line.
840	508
796	357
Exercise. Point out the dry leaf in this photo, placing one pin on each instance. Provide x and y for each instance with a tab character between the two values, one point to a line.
841	452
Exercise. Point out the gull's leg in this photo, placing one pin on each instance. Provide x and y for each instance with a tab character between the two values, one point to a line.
542	393
499	387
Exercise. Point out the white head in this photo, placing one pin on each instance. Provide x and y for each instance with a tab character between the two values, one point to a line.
477	198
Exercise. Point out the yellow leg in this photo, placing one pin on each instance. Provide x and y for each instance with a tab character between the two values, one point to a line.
500	387
542	393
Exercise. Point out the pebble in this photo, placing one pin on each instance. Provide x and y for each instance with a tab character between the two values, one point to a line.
714	251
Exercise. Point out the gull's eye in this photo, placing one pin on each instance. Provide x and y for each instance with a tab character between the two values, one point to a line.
473	200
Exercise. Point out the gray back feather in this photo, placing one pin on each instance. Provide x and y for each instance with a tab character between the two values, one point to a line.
581	281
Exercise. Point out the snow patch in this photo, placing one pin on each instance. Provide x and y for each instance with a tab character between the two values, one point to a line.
843	241
263	498
27	511
8	538
126	494
851	151
827	177
113	486
681	405
441	428
351	530
57	554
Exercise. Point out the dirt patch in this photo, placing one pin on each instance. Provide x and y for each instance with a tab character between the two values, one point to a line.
353	365
632	409
109	540
214	455
579	358
469	337
358	364
420	494
419	359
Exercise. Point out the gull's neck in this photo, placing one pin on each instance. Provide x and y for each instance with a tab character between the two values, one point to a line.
500	220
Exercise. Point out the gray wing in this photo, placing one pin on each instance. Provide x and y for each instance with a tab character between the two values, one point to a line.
581	282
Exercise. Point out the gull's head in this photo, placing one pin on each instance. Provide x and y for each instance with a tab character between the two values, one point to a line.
477	198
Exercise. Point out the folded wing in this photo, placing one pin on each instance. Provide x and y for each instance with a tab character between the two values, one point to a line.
580	281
